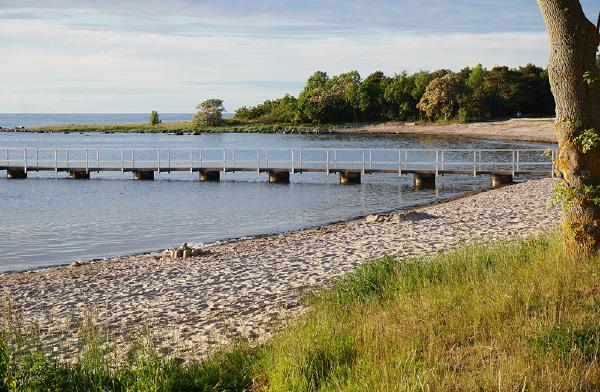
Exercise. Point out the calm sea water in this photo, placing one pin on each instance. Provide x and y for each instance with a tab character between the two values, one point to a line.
14	120
48	220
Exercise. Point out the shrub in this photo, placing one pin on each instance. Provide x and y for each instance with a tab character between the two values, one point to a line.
154	119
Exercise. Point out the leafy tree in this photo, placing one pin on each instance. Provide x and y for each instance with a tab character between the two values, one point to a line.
501	91
443	97
475	78
347	85
210	113
422	80
312	99
287	110
243	113
399	98
327	100
533	95
154	119
575	80
370	96
282	110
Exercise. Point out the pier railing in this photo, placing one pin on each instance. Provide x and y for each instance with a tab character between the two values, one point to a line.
386	160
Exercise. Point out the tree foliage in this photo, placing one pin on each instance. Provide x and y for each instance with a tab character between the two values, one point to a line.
154	119
443	97
471	94
210	113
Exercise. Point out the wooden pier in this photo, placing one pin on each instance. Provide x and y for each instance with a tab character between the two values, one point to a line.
502	165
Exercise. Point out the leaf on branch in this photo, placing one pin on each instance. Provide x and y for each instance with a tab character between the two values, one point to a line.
587	140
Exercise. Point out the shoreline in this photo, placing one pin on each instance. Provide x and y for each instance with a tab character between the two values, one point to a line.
250	288
160	251
539	130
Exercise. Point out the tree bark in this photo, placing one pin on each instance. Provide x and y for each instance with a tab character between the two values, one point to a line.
575	83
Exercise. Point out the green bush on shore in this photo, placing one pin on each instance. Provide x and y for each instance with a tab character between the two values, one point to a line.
518	316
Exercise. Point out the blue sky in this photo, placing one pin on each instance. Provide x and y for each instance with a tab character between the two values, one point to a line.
138	56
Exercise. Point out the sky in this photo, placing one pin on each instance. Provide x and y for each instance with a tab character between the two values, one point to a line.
130	56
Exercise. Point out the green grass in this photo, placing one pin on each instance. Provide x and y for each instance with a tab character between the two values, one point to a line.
507	317
229	125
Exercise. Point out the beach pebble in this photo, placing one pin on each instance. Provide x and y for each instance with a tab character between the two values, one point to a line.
372	219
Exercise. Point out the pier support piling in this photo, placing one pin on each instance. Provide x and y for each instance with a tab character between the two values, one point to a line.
424	180
210	175
500	180
79	175
146	175
350	177
279	176
16	173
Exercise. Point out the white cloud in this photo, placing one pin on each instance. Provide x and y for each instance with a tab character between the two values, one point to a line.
54	67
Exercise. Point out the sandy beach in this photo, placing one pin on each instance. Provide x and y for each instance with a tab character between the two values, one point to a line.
249	288
524	129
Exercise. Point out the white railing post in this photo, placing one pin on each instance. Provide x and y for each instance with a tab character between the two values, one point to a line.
399	163
224	161
25	159
292	160
301	166
258	161
513	163
474	163
335	159
233	152
67	157
132	158
443	160
87	162
97	160
37	157
56	160
363	161
518	160
169	159
437	158
122	162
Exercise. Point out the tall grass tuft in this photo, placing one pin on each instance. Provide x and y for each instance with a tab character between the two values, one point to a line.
491	317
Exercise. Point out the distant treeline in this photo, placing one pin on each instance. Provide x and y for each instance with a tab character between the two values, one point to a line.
468	95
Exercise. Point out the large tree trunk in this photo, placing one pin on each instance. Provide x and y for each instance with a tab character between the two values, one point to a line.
575	82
